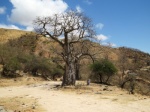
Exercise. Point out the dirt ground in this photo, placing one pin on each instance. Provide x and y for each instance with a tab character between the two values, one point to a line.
42	96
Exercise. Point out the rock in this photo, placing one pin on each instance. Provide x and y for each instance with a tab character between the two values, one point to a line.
105	89
33	107
20	73
88	82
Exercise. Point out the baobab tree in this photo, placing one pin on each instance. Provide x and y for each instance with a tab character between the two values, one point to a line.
74	28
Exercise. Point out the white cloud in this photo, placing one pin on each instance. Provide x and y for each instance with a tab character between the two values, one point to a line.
99	26
109	44
104	40
29	28
25	11
9	26
2	10
79	9
113	45
101	37
88	2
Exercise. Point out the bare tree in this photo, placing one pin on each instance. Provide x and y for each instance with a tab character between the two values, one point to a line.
74	27
124	66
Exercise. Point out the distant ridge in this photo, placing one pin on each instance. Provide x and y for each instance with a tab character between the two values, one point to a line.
6	34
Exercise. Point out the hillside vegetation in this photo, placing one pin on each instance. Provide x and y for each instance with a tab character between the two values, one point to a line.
26	52
6	34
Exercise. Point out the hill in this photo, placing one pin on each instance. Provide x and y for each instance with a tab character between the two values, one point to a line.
6	34
30	52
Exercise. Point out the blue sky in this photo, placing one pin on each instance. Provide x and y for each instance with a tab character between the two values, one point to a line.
120	22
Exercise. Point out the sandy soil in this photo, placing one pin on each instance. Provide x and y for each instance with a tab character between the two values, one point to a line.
44	97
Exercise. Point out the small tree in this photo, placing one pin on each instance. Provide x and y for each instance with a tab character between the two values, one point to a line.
123	66
9	60
103	68
11	66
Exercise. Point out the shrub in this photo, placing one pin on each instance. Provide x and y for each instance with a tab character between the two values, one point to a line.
103	70
10	67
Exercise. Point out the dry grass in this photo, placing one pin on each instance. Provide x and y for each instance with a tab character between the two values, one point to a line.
82	88
6	35
20	104
94	95
19	81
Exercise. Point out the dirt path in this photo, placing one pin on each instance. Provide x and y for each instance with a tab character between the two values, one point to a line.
90	100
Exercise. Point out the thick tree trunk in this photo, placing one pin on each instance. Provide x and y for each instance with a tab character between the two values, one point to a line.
69	77
77	70
77	74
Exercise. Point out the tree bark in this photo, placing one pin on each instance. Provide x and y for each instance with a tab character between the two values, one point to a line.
77	67
69	77
70	71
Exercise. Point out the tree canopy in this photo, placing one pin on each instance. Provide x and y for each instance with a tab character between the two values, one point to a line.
68	29
103	68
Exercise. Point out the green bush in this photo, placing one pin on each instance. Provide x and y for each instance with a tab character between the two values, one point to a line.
17	54
10	67
103	70
44	67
